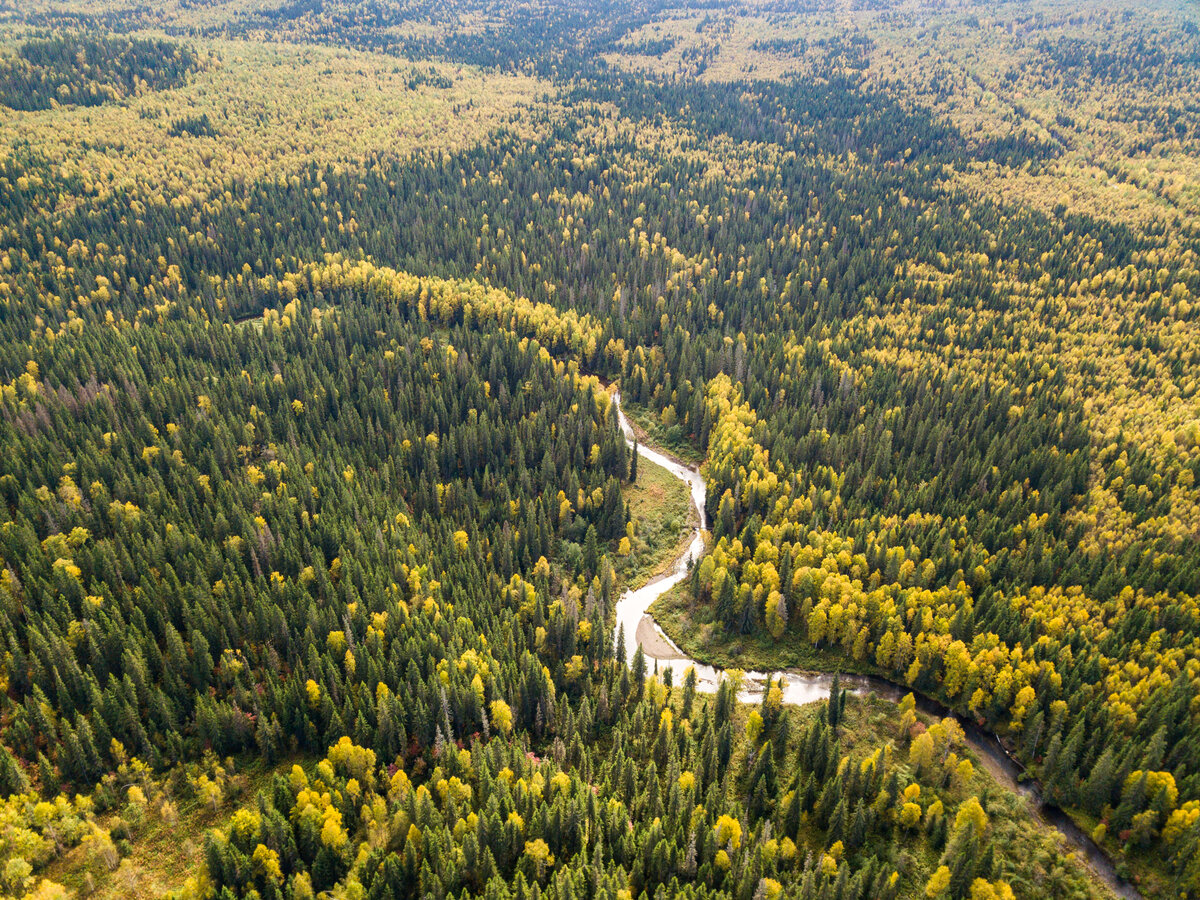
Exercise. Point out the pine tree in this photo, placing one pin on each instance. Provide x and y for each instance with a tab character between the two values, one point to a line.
12	779
638	672
1098	790
833	707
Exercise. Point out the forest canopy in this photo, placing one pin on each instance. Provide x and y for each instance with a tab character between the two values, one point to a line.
87	71
316	508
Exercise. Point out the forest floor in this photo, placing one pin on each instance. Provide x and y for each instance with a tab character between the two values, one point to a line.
663	519
688	624
160	856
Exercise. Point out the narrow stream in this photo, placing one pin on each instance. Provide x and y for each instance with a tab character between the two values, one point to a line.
661	654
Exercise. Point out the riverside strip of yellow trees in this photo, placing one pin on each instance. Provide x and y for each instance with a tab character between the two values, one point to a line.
781	575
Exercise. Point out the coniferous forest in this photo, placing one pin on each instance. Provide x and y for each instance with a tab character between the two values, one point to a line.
339	343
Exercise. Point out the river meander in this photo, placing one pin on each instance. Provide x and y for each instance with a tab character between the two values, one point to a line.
633	619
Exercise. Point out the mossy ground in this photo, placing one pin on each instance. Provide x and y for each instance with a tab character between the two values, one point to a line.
689	624
663	520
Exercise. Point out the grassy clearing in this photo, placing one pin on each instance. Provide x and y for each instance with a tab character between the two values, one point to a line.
663	519
160	855
690	626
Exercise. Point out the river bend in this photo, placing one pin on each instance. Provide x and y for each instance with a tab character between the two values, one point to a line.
661	653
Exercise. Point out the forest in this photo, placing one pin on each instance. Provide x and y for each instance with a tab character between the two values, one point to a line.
316	507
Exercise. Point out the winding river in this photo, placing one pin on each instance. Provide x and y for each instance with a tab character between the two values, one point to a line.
633	619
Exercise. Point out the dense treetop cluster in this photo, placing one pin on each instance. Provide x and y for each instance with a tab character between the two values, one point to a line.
307	318
86	71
